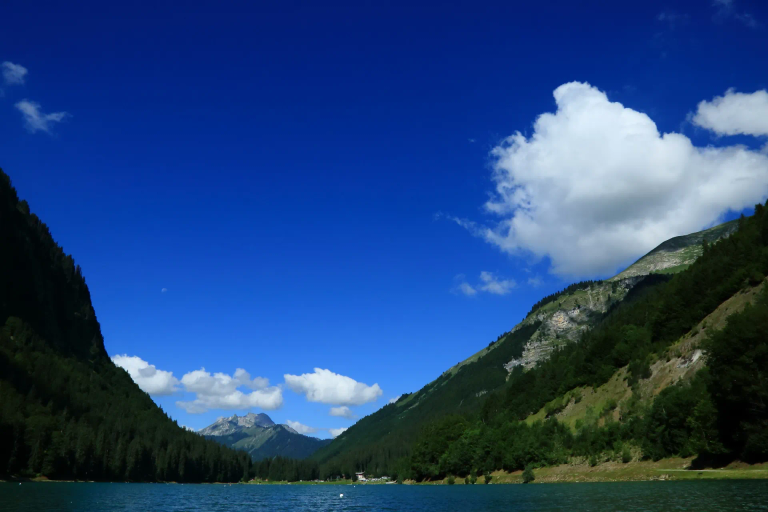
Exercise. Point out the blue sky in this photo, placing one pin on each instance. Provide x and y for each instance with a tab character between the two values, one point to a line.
286	186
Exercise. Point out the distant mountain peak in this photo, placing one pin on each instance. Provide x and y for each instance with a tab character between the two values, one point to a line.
258	435
225	426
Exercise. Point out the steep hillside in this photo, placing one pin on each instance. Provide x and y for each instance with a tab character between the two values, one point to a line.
675	370
258	435
553	324
677	253
66	411
678	363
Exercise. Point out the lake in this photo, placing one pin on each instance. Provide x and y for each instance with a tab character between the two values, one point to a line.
629	496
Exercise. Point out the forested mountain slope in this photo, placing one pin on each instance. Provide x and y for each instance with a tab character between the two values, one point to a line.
66	411
384	441
674	402
258	435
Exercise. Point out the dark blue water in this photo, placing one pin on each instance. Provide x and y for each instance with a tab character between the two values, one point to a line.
634	496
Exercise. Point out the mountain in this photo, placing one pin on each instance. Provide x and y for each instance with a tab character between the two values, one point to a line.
526	369
678	253
258	435
235	423
66	411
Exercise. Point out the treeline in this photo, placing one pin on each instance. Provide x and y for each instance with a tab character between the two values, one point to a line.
66	411
281	469
380	443
582	285
720	414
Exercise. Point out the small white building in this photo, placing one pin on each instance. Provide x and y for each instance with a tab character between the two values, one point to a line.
360	476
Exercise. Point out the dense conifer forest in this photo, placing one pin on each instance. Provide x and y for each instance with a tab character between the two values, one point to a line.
66	411
719	415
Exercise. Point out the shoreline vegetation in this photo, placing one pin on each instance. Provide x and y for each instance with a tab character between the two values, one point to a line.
672	469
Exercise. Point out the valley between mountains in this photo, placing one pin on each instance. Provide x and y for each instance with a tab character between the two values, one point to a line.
663	362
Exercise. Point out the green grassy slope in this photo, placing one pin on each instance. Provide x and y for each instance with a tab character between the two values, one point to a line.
677	253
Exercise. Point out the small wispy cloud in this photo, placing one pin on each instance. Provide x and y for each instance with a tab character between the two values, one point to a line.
672	19
35	120
466	289
163	290
395	399
726	9
496	285
13	74
342	412
535	281
748	20
489	283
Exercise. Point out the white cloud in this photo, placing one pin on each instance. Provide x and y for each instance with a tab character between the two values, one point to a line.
336	432
724	9
494	285
13	74
220	384
672	18
395	399
596	185
535	281
735	113
748	20
466	289
220	391
327	387
151	380
35	120
301	429
343	412
488	283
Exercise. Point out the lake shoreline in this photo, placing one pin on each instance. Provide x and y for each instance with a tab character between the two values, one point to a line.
674	469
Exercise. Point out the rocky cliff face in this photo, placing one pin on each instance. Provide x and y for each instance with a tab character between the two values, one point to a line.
563	320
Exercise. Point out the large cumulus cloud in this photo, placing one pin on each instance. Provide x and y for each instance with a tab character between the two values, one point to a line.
596	185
